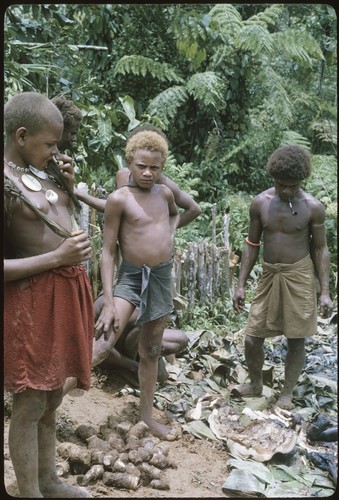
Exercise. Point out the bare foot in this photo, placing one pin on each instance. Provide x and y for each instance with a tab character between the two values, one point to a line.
285	402
165	432
246	390
59	489
70	388
69	385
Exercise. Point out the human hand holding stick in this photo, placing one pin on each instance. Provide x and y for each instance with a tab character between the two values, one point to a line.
63	173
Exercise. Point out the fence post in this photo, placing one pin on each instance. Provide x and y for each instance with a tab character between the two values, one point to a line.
84	214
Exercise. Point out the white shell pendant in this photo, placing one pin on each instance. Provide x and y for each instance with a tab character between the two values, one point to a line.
31	182
51	196
35	185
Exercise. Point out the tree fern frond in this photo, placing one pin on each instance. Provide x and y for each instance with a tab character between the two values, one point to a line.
291	137
208	88
165	105
189	28
191	50
233	151
277	103
191	34
326	131
279	107
256	39
140	65
268	17
226	17
222	52
299	45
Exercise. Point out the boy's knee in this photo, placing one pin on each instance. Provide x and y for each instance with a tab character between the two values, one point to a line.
183	342
151	351
98	304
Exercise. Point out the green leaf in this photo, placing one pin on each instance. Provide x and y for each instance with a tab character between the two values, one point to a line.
105	131
119	160
258	469
128	105
199	429
243	483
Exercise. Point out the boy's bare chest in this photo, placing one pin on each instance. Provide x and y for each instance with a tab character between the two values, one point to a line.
146	207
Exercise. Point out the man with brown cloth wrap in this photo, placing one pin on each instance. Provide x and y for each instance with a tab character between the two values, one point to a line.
48	306
295	252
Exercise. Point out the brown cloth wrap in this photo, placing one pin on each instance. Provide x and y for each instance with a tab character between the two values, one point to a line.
285	301
48	325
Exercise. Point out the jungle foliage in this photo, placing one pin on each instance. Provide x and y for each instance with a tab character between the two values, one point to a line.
227	83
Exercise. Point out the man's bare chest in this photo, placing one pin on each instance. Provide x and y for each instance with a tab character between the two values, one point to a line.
285	220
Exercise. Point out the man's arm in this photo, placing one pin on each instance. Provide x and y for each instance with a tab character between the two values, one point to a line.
96	203
321	257
172	210
183	200
122	178
249	255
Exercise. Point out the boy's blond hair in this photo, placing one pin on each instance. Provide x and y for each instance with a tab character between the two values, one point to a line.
146	140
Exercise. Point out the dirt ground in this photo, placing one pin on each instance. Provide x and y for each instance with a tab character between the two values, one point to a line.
197	396
201	466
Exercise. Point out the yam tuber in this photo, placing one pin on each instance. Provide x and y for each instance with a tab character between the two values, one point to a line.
124	457
62	468
133	443
74	453
123	427
134	457
102	457
84	432
104	430
120	480
149	471
149	442
96	443
93	474
119	466
116	442
159	484
159	460
132	469
139	430
163	447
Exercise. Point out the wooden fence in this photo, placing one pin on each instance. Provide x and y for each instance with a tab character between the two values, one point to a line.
201	273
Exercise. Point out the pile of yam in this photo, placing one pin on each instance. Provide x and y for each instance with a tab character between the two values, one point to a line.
120	454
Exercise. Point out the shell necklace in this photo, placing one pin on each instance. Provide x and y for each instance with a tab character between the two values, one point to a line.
33	183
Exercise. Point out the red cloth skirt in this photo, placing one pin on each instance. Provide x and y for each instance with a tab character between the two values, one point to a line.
48	330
